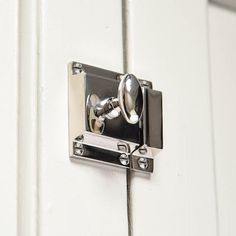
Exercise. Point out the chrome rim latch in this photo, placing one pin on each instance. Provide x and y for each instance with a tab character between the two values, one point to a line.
113	118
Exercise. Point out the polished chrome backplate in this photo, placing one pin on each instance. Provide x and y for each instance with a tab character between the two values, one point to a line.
114	118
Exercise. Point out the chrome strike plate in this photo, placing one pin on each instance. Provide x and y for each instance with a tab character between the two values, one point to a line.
113	118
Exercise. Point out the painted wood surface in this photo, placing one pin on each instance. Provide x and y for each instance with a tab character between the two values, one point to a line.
27	117
8	117
76	198
222	37
168	45
188	56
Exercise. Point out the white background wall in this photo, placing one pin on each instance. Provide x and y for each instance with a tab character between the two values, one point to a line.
187	49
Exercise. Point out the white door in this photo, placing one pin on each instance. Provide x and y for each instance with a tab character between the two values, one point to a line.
187	49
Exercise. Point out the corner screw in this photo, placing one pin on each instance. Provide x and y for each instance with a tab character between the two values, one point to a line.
80	137
143	163
124	159
142	150
78	149
146	84
76	68
122	146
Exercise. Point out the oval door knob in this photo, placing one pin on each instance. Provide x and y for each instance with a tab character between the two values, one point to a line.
130	98
129	103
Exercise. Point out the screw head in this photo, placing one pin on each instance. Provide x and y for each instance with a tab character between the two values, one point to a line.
78	145
80	137
145	83
77	68
143	163
124	147
142	150
124	159
78	149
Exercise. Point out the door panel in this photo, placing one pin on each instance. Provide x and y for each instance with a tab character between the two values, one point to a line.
168	45
76	198
222	37
8	118
192	189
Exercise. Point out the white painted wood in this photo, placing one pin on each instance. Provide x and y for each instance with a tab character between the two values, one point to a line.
27	119
8	117
76	198
222	37
168	45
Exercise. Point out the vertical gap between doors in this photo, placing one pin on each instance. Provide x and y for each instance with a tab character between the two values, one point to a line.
125	39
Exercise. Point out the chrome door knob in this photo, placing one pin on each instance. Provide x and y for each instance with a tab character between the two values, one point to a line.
129	103
130	98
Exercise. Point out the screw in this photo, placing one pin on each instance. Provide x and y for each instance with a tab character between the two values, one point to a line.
143	163
76	68
124	159
143	150
122	146
79	151
146	84
80	137
78	145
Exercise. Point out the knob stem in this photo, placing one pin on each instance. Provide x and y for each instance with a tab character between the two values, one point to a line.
108	108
